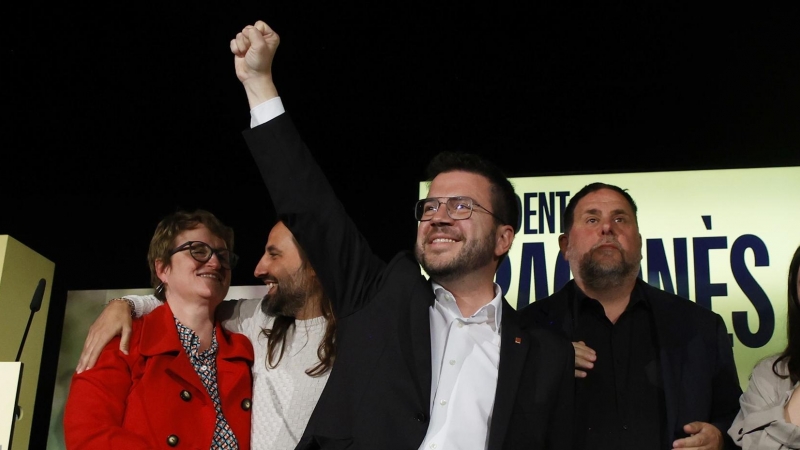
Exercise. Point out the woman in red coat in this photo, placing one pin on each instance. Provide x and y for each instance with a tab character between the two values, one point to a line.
185	381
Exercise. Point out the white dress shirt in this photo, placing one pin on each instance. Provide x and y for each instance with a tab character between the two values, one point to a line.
465	355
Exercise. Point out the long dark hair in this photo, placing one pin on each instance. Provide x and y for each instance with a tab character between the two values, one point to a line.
276	336
792	351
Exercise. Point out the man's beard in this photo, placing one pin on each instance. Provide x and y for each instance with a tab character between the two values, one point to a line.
289	296
599	275
474	255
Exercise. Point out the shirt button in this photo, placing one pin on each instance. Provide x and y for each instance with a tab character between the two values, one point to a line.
443	402
452	362
433	445
204	367
460	324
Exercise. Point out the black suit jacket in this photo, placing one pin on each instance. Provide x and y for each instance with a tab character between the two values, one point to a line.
378	393
697	365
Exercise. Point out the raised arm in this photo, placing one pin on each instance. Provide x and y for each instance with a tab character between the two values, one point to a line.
300	191
115	320
254	49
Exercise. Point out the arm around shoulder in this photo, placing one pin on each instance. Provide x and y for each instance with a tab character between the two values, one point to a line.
115	320
761	422
240	316
142	304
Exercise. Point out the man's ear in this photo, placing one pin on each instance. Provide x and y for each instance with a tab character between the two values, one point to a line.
640	246
504	239
563	243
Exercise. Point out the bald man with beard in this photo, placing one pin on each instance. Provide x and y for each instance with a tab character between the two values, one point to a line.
652	370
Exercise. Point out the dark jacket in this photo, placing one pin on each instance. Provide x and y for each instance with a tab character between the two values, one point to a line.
378	393
696	356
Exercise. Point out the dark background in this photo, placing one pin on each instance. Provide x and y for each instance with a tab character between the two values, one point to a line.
116	116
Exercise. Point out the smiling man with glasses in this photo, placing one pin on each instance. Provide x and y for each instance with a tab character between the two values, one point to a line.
422	363
458	208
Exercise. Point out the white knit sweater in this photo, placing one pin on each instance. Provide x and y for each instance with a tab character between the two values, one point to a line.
283	397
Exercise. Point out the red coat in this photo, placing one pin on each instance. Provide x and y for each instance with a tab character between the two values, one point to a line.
153	395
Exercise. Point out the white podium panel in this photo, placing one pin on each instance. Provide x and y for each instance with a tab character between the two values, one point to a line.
10	378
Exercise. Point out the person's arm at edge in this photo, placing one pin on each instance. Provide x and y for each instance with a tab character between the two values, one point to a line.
762	423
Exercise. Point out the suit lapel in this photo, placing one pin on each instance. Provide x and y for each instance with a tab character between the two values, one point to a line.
554	313
514	344
419	352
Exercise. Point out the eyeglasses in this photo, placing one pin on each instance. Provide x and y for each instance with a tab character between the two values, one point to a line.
202	252
458	208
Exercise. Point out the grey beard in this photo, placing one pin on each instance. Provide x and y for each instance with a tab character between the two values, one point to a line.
597	276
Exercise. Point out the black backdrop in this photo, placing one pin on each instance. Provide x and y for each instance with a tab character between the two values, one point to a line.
115	116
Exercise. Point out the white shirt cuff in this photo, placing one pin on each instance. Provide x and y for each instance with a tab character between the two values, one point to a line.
266	111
